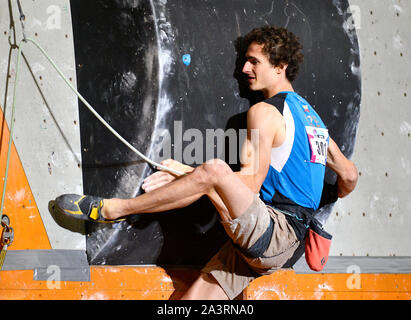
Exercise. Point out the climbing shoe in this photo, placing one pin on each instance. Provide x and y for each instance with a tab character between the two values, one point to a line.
82	207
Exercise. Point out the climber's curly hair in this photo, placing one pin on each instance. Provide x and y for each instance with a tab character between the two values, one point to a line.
280	45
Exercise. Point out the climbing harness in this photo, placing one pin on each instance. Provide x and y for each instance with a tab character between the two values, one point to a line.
114	132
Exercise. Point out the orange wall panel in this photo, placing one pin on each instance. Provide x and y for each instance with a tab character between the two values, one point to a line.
20	205
155	283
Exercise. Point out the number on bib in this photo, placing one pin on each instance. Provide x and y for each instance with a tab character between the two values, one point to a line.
318	138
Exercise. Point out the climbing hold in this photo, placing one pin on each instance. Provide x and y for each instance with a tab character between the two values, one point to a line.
187	59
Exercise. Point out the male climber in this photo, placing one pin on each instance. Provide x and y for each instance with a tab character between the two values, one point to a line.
263	206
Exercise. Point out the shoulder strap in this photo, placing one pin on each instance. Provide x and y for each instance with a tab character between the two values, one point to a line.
277	101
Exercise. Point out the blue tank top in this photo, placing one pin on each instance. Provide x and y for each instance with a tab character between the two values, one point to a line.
296	173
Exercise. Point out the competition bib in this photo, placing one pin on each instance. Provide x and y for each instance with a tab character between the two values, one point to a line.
318	138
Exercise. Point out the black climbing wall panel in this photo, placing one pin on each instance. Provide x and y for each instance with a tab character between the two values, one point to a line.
146	65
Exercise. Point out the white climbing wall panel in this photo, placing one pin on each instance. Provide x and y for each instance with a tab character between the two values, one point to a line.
376	219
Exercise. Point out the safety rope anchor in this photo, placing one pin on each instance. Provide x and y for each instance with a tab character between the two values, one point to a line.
7	237
22	20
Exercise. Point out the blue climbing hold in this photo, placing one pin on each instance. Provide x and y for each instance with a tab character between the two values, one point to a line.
187	59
